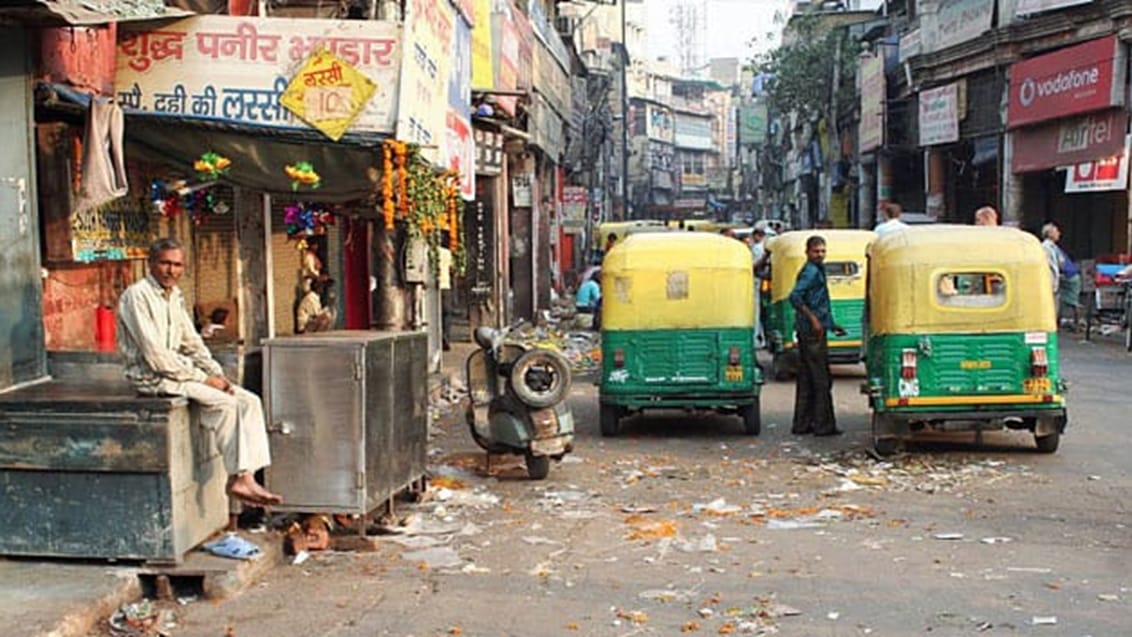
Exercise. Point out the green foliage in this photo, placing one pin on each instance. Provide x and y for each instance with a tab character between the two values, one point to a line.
804	69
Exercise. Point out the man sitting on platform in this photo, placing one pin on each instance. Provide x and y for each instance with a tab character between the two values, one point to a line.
165	356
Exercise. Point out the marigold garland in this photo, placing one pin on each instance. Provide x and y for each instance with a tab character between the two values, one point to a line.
425	200
388	208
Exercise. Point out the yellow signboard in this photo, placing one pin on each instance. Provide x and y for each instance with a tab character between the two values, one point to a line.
328	93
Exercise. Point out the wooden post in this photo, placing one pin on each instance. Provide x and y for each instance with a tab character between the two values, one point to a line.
389	301
253	236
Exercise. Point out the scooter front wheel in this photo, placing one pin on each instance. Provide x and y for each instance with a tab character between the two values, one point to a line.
538	467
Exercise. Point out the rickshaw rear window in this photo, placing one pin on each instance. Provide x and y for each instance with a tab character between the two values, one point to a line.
842	268
677	286
970	289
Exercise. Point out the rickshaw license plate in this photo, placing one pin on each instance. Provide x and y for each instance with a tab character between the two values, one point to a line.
733	374
1036	385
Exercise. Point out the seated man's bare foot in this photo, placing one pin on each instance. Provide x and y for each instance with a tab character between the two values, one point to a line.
244	487
240	490
266	496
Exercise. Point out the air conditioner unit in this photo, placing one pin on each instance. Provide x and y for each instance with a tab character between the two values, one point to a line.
566	24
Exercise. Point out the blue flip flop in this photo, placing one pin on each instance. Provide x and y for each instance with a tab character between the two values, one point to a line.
235	547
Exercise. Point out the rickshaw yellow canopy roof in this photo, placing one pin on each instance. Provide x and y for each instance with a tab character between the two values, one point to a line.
905	268
677	280
788	255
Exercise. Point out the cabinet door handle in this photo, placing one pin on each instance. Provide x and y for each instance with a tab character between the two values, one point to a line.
281	427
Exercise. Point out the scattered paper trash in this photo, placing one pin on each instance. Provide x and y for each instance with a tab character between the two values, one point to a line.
948	536
996	540
1044	620
1108	597
833	616
434	558
300	557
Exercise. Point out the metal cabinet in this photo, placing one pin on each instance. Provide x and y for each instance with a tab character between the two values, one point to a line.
348	416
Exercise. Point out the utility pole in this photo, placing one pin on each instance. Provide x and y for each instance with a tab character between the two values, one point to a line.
624	117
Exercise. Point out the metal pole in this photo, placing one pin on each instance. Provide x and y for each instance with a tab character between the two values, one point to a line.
624	118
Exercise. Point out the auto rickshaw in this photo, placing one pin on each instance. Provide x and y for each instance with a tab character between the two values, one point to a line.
962	335
621	229
846	276
678	321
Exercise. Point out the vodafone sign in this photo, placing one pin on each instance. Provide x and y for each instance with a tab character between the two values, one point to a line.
1079	79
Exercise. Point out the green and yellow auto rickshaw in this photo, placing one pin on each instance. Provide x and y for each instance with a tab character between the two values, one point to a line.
962	335
678	321
847	279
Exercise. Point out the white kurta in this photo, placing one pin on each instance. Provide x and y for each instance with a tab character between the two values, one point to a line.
164	355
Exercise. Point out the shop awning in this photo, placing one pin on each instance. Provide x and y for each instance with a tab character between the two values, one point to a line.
84	12
349	167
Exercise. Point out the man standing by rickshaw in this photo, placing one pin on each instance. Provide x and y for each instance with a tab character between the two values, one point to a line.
813	396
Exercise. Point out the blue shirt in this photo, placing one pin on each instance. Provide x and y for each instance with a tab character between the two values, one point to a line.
811	291
588	295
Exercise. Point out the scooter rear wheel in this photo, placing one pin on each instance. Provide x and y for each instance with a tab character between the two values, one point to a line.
538	467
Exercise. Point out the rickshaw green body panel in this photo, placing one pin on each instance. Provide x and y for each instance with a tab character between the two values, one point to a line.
966	373
847	313
679	368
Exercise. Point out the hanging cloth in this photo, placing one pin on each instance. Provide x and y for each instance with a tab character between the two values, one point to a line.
104	159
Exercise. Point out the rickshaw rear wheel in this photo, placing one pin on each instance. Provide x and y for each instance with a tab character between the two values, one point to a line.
538	467
1047	443
887	446
752	418
610	418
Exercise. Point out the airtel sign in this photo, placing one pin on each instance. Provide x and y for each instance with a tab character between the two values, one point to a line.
1078	79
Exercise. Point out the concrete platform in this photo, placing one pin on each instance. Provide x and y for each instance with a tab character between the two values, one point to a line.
69	598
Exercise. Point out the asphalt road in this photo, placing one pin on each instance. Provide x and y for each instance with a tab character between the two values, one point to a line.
684	526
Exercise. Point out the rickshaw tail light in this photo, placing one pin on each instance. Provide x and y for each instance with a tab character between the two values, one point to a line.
1039	364
908	364
618	358
733	356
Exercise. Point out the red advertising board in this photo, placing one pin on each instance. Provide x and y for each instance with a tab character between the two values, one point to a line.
1071	141
1078	79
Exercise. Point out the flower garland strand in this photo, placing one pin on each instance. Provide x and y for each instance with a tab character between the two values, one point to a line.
388	207
426	201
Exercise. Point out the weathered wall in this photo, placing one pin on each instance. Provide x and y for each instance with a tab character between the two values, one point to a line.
22	354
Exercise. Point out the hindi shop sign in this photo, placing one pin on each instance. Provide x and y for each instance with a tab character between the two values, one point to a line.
328	93
939	115
237	69
1078	79
870	130
422	113
1026	7
1110	173
1070	141
954	22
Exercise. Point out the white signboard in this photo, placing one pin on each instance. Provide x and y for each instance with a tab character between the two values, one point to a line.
1110	173
911	45
1026	7
954	22
939	115
236	68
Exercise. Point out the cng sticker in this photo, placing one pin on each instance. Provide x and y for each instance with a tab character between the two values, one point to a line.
973	365
733	374
619	376
909	388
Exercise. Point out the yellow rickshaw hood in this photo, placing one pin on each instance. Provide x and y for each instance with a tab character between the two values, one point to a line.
788	255
904	268
677	281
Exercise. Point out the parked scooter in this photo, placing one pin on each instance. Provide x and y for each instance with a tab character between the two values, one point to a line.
517	403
